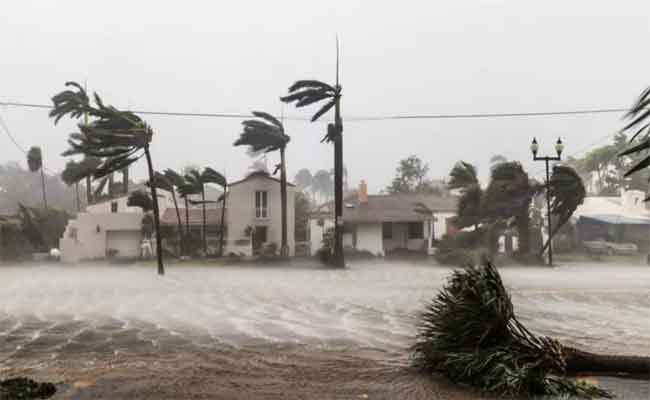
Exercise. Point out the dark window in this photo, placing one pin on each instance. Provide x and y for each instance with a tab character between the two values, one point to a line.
387	230
114	206
416	230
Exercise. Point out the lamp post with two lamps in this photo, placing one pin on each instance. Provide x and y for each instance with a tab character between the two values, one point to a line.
559	147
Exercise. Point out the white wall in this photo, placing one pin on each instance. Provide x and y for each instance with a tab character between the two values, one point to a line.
90	242
316	233
369	238
440	223
104	207
241	211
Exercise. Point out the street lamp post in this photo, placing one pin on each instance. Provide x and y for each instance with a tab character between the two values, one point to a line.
534	147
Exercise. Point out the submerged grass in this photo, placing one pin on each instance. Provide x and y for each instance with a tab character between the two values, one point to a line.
469	333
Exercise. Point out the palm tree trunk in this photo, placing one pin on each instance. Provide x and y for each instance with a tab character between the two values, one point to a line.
583	361
43	187
76	189
187	219
156	211
205	223
223	222
284	249
125	181
339	260
180	223
89	191
523	228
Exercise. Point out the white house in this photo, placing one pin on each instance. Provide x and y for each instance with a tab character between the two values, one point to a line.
251	202
382	224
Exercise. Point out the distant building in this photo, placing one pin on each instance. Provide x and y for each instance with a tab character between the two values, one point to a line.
381	224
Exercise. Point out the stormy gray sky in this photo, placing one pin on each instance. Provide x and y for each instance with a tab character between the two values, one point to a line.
407	57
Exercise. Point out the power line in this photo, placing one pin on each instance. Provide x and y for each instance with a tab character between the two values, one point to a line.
11	137
362	118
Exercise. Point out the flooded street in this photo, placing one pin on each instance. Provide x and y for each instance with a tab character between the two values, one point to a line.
71	323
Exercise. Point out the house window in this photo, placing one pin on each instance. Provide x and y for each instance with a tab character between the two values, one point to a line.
387	230
416	230
261	204
113	206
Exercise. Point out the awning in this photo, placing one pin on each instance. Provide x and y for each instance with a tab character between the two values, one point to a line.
617	219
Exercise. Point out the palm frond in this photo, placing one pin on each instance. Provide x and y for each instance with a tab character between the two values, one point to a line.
209	175
174	177
141	199
265	134
161	182
469	332
323	110
314	84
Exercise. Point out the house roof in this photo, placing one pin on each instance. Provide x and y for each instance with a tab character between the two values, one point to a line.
390	208
258	175
212	215
618	219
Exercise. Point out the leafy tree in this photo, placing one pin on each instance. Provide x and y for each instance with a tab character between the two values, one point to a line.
43	227
118	137
141	199
498	159
639	123
322	183
463	176
302	206
307	92
35	163
411	177
265	134
303	179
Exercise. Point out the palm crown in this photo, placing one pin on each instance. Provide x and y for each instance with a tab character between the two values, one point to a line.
116	136
307	92
639	116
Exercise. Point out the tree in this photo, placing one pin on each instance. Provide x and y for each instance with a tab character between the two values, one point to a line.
411	177
87	166
264	135
35	164
71	175
322	183
177	181
196	185
498	159
211	176
141	199
303	179
120	138
463	176
302	207
639	123
187	189
162	182
307	92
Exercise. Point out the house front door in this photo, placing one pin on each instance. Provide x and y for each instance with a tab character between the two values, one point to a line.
259	238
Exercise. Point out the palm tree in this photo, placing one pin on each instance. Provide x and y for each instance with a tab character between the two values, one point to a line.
35	163
303	179
322	183
498	159
209	175
307	92
71	175
141	199
185	190
162	182
87	166
264	135
639	116
463	176
120	138
177	181
567	192
196	184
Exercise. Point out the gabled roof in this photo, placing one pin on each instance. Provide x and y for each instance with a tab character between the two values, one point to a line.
390	208
258	175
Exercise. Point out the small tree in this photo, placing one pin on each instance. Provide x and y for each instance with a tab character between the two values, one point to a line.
35	163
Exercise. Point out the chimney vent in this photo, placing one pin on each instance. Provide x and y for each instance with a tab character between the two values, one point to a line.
363	192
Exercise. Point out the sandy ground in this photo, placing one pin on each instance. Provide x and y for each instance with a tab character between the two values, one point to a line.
253	373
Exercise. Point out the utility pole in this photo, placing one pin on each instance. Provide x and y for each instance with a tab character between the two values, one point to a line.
559	147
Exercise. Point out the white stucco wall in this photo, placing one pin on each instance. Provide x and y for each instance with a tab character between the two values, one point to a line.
104	207
440	223
316	233
241	211
91	242
369	238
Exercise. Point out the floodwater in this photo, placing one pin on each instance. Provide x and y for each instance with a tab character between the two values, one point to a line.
54	315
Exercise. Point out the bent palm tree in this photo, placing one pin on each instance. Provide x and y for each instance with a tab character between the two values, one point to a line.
264	135
195	185
119	137
470	333
176	180
185	190
567	192
307	92
463	176
639	116
161	182
209	175
35	164
88	165
71	175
